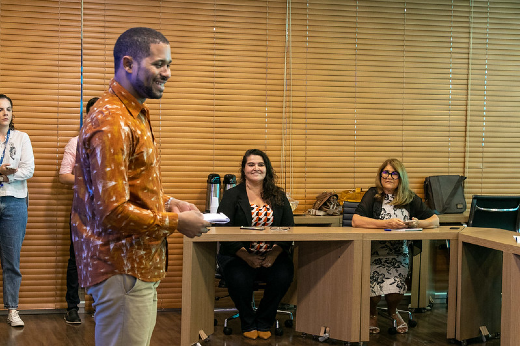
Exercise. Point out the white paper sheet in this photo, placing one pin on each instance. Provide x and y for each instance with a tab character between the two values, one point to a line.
216	218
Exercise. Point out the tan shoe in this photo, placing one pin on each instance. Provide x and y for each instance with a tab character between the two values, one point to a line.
253	334
264	335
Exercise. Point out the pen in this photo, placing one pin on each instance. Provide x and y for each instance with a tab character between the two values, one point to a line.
254	228
387	229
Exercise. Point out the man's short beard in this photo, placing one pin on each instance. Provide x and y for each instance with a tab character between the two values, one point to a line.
147	91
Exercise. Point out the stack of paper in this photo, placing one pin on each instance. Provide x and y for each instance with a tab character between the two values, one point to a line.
218	218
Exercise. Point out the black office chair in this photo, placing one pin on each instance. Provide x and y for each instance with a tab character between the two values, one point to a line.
258	285
349	209
495	212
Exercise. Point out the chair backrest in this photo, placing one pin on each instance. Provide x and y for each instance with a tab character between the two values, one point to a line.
349	209
495	212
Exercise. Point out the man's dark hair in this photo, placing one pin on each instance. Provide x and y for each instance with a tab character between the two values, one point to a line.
91	102
135	42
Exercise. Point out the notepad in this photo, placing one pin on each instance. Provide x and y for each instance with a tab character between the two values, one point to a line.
406	229
216	218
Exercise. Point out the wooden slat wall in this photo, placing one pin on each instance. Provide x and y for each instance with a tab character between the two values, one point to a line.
40	71
328	88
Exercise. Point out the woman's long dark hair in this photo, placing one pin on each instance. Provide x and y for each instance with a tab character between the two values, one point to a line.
11	124
271	193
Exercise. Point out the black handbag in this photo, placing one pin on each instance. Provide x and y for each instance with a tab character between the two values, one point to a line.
445	193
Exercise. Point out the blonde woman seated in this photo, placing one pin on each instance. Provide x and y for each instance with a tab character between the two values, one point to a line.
391	204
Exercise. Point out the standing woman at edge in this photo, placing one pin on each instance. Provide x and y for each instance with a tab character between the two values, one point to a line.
256	201
16	166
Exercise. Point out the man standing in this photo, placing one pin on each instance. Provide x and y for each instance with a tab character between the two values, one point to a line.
66	177
120	215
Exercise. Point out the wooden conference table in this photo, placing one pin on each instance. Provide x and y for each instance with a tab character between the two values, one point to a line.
333	273
488	284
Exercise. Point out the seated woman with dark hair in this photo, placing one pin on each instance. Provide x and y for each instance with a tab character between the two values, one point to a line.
391	204
256	201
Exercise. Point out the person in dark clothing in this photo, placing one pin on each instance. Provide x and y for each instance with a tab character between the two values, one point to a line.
256	201
66	177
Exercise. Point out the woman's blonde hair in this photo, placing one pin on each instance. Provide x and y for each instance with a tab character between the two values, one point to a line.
403	194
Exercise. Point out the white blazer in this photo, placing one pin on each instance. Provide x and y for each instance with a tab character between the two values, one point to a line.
18	154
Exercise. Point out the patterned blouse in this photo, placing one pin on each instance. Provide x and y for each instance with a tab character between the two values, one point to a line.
389	259
262	216
389	211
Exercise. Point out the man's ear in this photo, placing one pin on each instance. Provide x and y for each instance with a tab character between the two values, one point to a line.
128	63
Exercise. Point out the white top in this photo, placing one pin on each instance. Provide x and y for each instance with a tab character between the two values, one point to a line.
69	157
18	154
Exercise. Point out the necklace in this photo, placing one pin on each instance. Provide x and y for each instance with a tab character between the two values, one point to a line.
5	148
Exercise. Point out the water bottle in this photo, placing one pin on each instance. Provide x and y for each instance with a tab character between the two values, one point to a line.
212	193
230	181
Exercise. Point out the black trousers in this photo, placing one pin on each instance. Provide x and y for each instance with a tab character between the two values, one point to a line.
72	296
240	279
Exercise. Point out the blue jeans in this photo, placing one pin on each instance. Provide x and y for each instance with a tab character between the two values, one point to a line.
13	220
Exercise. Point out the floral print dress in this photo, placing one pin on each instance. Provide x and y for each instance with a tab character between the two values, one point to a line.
389	259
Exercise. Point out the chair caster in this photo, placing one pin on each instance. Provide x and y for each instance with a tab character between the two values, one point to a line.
288	323
412	323
227	331
278	331
325	336
419	310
